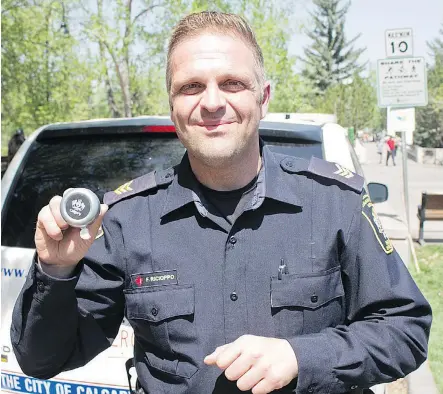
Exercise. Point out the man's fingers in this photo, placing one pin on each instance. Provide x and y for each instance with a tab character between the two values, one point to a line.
272	380
54	206
229	355
93	228
257	363
252	377
239	367
47	223
263	387
211	359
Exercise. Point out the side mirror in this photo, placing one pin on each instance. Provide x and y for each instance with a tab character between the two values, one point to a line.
378	192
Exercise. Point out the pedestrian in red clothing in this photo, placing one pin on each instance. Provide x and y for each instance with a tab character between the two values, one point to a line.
391	150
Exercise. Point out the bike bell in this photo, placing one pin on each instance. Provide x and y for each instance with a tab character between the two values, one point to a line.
79	208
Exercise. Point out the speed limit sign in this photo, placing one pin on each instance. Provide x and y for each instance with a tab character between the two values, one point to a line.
398	43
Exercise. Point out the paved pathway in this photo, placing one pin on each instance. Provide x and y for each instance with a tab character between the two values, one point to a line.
421	177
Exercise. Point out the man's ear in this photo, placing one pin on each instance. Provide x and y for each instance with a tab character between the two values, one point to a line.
264	105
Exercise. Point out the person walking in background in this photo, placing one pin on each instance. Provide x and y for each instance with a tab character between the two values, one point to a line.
391	150
380	146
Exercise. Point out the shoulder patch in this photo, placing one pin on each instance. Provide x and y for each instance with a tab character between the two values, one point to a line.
325	169
138	185
369	214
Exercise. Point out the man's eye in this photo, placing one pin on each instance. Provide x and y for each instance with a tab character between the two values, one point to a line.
191	88
234	85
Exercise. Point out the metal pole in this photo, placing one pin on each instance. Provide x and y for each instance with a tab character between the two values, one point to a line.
405	178
406	196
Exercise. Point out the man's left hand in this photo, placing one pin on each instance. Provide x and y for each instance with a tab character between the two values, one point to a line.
257	363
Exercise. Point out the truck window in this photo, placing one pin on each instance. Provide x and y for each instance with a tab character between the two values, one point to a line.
100	163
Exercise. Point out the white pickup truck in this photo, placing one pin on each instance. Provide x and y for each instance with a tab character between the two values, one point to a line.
101	155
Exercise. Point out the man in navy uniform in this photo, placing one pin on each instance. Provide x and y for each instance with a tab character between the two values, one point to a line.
239	269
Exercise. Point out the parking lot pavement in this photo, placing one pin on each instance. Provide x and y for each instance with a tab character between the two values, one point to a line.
421	177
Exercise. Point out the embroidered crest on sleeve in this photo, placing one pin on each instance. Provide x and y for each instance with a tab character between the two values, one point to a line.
369	214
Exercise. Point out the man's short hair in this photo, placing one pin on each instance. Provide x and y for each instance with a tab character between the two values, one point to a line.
211	21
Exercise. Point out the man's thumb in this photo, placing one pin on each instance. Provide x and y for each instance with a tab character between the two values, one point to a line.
94	227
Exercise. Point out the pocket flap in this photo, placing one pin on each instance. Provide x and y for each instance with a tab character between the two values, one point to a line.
309	291
160	304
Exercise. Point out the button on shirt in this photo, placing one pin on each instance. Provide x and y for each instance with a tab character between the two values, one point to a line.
189	283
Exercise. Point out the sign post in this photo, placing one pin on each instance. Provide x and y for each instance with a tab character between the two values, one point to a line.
405	177
402	82
402	85
398	42
403	120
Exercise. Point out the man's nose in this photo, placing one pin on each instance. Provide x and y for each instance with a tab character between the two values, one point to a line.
213	99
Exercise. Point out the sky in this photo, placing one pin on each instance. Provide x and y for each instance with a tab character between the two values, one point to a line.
372	18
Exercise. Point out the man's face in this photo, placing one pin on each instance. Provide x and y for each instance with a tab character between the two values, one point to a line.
215	97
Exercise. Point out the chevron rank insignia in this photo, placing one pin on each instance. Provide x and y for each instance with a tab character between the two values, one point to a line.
336	171
126	187
342	171
369	214
138	185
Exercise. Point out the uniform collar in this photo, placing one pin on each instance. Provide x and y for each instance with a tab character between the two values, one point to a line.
182	189
278	185
272	182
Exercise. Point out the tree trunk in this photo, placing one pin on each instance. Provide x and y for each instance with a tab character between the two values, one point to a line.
115	112
125	66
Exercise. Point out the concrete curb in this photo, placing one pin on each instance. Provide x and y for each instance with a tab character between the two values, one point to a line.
421	381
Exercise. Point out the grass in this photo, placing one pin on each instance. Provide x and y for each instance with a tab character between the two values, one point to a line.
430	282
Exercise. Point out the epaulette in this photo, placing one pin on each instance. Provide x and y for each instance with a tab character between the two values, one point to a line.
143	183
325	169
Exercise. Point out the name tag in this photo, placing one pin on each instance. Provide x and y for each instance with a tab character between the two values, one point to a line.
159	278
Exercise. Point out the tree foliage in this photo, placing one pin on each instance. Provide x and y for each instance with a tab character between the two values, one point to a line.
429	119
354	103
43	79
83	59
331	58
79	59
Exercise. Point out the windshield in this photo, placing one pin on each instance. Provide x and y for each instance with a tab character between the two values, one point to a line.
100	163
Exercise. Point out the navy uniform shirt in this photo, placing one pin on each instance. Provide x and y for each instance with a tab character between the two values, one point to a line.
188	283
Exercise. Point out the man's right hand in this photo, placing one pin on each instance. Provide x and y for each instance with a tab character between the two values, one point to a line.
56	242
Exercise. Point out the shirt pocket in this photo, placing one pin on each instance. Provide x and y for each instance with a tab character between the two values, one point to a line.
164	327
304	304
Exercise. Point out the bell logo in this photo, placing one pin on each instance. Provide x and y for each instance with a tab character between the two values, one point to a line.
77	207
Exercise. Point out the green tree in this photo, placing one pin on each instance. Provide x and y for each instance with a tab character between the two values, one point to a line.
429	119
354	103
271	23
331	58
130	37
43	79
82	59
